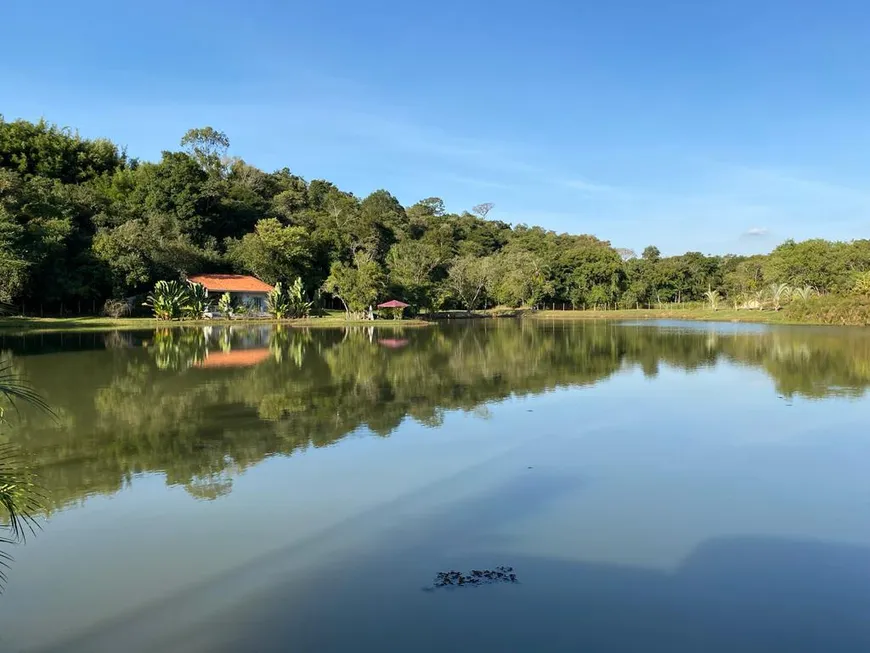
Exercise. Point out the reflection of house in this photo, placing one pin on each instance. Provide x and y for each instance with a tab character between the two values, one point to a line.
238	358
245	290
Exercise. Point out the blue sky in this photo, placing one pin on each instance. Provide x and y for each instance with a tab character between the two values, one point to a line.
711	126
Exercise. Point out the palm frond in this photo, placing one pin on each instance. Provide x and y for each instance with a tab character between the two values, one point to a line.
13	388
20	498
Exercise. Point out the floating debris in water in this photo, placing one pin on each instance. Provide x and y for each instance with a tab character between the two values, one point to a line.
475	577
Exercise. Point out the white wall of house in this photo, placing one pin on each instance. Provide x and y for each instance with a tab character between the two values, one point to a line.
257	299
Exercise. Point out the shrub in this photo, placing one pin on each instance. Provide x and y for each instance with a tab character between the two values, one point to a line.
172	299
167	300
862	284
831	309
225	304
116	308
288	303
197	302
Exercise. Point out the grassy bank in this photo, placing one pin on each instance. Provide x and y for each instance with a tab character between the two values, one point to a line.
47	324
693	314
833	310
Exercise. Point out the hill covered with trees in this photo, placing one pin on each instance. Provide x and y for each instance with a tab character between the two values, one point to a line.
82	222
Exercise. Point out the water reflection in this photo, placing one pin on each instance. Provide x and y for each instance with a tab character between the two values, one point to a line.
202	404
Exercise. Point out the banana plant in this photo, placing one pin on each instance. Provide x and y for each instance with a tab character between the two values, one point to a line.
278	302
288	302
197	302
167	300
713	297
777	292
225	304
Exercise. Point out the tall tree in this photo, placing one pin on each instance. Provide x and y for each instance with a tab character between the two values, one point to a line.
467	279
273	252
483	209
207	146
357	285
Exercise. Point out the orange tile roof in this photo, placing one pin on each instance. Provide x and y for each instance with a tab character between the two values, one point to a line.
238	358
230	282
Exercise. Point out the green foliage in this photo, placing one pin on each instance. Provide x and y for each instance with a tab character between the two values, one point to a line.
208	146
273	252
861	284
357	285
288	303
840	310
713	297
467	279
173	299
277	302
196	302
518	278
81	221
803	293
116	308
167	300
225	304
20	497
393	313
778	292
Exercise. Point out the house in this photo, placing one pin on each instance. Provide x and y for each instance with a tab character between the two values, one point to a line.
245	290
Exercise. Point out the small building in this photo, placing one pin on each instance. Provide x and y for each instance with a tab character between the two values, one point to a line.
244	289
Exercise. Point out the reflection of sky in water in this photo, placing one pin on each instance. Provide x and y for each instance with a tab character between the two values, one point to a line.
686	325
688	510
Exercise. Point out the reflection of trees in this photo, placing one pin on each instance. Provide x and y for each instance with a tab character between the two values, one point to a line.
130	410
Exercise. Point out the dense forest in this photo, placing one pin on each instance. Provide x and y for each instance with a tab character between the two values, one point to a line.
82	222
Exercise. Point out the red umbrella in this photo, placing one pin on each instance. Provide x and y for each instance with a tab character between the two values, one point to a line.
393	303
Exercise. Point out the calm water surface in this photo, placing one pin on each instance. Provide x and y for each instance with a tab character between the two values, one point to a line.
657	487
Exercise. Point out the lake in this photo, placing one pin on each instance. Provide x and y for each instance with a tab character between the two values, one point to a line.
673	487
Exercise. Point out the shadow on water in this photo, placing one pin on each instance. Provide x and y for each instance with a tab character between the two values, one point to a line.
738	593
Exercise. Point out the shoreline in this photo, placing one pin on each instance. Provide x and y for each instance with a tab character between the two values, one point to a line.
685	315
18	324
12	325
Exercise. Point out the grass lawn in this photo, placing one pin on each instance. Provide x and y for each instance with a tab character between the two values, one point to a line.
694	314
333	319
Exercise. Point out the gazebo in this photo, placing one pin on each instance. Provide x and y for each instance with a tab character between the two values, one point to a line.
395	305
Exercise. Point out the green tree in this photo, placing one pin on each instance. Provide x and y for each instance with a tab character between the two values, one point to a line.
520	279
467	279
411	264
356	285
207	146
273	252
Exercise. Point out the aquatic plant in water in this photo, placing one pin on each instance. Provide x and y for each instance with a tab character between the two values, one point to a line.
474	577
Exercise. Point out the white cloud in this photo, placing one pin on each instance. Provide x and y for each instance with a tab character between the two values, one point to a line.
587	186
757	231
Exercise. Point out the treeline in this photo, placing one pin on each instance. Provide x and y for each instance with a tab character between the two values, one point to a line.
82	222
